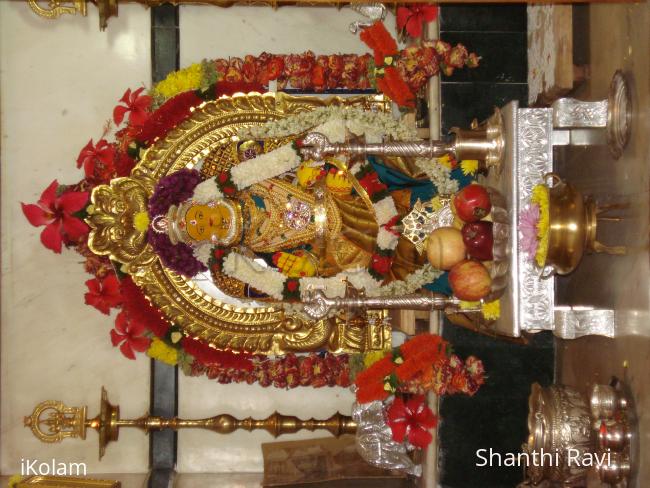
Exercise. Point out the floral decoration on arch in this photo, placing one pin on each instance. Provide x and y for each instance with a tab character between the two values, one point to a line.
139	118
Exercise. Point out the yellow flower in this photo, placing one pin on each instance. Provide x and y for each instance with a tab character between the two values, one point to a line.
372	357
469	166
179	81
491	310
141	221
541	198
447	160
464	305
436	202
14	480
162	352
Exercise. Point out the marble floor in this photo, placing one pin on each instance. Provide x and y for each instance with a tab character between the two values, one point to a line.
618	39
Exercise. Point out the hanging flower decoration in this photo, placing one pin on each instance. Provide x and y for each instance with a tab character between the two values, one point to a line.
410	18
421	364
142	118
55	210
411	420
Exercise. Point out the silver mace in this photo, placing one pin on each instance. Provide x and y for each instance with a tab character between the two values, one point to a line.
317	306
485	142
317	146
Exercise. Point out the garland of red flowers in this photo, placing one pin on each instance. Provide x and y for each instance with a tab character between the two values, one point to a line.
397	74
388	78
421	364
289	371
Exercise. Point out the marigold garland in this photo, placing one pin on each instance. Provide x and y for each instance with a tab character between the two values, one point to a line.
540	197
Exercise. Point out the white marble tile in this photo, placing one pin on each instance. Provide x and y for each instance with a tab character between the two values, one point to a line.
205	451
60	81
208	32
218	480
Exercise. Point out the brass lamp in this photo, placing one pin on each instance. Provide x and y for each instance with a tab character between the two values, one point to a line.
51	421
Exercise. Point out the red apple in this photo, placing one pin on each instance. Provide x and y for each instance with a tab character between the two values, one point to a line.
445	248
472	203
470	280
478	239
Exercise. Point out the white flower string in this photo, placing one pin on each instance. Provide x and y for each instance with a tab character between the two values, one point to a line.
264	279
333	122
280	160
203	252
207	191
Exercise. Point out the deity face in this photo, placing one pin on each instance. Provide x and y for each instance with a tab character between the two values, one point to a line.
205	222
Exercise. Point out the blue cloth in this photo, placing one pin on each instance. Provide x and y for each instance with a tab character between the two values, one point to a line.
423	190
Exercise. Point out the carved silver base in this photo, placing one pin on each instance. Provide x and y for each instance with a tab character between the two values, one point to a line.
619	115
607	121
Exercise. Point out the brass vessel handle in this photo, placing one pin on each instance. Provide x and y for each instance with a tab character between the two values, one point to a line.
555	177
547	272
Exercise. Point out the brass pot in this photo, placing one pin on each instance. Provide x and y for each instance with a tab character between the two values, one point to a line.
572	225
573	220
559	424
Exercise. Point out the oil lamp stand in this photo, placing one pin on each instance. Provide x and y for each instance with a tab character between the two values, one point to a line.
51	421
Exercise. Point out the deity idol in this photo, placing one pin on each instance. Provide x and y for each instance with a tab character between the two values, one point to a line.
279	224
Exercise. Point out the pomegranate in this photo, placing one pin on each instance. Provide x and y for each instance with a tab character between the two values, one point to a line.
470	280
478	239
472	203
445	248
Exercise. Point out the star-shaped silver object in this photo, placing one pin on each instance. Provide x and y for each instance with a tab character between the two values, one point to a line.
423	220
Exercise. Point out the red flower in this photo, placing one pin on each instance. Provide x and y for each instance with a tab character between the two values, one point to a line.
169	115
223	177
104	293
370	182
136	104
248	70
208	356
123	163
292	285
229	190
55	213
457	56
318	77
128	333
381	264
411	18
97	160
411	420
271	71
140	309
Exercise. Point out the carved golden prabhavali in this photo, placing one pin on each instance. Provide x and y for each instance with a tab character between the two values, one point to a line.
51	421
211	128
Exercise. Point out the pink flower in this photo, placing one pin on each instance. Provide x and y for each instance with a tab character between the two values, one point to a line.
137	105
55	213
411	420
528	219
128	333
411	18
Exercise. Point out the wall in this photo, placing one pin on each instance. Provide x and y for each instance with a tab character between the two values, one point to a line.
59	83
